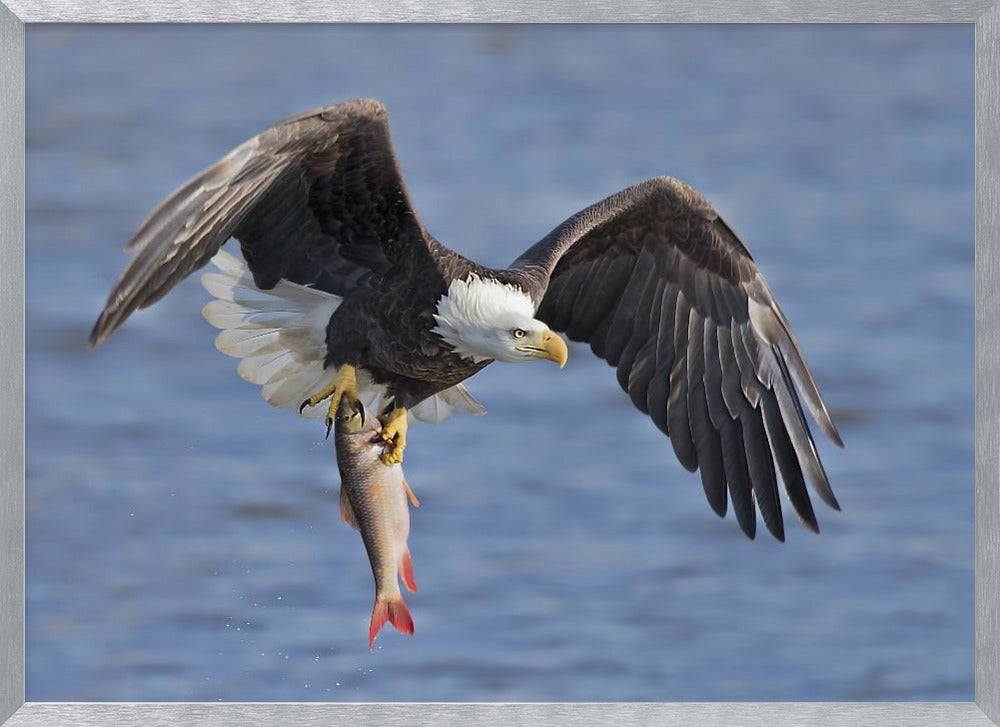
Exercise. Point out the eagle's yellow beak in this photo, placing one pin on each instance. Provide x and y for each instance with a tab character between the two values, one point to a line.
553	348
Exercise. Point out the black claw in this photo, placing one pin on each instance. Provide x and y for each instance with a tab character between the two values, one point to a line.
303	405
329	426
361	409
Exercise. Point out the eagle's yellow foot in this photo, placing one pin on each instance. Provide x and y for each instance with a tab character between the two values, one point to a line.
394	431
345	383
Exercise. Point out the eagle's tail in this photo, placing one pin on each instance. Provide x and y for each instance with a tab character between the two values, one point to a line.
280	334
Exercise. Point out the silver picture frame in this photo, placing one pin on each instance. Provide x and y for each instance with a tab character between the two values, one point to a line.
984	14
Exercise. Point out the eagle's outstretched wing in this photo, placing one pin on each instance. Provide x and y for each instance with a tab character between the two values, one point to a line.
315	199
663	289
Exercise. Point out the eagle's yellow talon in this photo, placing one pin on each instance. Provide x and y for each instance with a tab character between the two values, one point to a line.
345	383
394	427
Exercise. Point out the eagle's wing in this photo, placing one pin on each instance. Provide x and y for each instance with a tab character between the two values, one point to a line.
316	199
663	289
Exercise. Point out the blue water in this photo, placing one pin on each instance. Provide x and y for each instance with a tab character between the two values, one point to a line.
183	537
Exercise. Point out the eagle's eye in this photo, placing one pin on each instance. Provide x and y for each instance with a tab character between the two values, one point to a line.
519	333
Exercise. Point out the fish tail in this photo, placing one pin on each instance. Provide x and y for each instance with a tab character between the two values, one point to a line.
395	612
406	571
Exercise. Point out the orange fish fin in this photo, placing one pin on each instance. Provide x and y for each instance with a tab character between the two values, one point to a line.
406	571
409	493
395	612
346	512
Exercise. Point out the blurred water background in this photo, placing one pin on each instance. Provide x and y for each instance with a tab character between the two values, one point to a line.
183	537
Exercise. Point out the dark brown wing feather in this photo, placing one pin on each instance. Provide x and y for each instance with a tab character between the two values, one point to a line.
317	199
663	290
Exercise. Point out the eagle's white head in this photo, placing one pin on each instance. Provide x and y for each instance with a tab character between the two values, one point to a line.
483	319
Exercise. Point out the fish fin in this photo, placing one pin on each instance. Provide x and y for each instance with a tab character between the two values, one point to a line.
409	493
406	571
395	612
346	511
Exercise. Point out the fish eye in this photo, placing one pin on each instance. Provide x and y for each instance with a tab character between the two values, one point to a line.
519	333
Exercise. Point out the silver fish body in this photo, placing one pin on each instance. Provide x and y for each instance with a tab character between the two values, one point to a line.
373	499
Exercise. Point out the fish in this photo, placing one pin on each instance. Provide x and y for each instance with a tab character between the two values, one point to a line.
373	500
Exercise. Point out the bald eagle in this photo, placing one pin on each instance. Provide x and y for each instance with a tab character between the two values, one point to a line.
344	293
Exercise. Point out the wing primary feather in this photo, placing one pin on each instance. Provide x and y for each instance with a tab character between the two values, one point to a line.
761	468
773	374
596	295
644	364
734	461
798	427
805	382
657	395
615	281
659	385
559	316
748	370
677	410
772	326
717	408
581	299
730	433
623	323
704	435
732	391
599	336
640	328
665	331
639	378
784	454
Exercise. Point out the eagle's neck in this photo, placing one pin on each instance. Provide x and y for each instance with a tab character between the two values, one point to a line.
475	306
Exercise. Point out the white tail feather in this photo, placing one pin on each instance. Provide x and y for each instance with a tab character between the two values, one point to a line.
280	335
438	408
